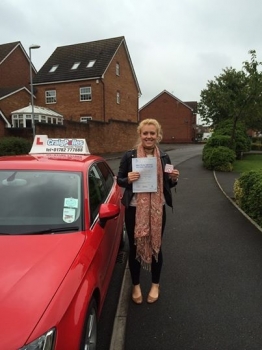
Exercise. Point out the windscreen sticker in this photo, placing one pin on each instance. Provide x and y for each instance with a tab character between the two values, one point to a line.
69	215
71	202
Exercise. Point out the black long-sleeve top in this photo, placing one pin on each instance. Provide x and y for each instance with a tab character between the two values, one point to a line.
126	167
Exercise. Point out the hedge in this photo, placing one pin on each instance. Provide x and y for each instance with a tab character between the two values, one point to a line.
248	194
218	158
14	145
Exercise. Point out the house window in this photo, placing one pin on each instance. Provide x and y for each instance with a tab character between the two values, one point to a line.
75	65
85	119
43	119
118	97
86	93
53	69
18	121
25	120
91	63
117	69
50	96
51	120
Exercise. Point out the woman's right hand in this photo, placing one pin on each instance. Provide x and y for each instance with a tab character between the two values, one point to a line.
133	176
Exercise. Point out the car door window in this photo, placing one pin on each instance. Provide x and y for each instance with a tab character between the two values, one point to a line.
107	175
101	180
97	191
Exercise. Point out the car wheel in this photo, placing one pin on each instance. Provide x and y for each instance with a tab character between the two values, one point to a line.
90	329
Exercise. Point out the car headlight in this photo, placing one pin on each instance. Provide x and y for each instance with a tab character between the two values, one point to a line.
45	342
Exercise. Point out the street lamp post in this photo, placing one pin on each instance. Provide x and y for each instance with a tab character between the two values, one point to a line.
32	47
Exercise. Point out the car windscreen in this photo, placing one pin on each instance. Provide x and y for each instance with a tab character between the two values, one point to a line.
40	201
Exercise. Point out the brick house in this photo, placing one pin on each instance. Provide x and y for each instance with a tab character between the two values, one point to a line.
90	81
93	86
177	118
14	82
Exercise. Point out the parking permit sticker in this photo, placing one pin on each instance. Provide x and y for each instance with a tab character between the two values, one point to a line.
69	215
71	202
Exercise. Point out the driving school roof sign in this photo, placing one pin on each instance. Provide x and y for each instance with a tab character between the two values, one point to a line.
42	144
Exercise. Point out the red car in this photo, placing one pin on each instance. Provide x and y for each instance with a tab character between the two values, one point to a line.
61	225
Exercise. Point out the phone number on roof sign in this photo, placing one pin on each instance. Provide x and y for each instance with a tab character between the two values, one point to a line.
64	150
65	142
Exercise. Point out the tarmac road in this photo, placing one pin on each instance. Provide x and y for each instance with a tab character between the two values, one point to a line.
211	285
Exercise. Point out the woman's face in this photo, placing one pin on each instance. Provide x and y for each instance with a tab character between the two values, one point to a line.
148	135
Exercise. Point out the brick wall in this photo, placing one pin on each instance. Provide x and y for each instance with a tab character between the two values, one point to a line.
125	83
111	137
9	104
15	70
68	100
176	119
2	128
13	102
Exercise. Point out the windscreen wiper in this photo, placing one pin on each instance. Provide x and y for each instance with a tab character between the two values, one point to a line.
42	232
56	229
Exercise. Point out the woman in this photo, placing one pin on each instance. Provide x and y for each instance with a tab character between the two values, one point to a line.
145	213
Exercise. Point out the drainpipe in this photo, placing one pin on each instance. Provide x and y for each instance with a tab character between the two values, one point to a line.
104	105
138	117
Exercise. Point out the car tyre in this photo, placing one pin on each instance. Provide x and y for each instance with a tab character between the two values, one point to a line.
89	339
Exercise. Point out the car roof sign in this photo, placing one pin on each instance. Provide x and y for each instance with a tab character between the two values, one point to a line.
43	144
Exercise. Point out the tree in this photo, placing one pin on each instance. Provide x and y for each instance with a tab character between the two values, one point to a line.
235	96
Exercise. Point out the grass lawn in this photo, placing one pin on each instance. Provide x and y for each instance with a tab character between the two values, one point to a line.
249	162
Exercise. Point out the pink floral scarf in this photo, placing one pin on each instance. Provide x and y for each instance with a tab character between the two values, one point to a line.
149	212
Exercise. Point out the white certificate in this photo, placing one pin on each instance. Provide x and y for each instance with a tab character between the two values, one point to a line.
147	167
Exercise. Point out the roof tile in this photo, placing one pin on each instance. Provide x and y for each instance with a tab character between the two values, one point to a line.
65	56
5	49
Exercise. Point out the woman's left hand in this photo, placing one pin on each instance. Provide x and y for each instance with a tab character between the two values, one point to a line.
174	175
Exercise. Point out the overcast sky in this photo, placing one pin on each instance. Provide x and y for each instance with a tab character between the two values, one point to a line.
174	45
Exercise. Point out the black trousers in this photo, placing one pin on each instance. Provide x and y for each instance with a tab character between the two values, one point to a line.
134	264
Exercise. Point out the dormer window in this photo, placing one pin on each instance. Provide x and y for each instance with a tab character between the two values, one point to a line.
53	69
117	68
90	63
75	65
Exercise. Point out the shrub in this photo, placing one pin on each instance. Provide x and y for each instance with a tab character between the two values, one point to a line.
238	192
14	146
257	140
242	142
256	147
218	158
220	140
248	194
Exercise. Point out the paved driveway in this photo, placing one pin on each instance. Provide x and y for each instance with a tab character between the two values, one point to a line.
211	285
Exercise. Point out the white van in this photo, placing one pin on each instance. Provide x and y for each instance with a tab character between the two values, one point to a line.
206	135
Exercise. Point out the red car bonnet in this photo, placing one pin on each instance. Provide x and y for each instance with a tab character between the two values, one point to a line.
32	268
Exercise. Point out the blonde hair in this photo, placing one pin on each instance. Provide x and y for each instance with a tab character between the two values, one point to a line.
151	122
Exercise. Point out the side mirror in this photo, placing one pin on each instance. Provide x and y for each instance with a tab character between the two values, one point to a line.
107	211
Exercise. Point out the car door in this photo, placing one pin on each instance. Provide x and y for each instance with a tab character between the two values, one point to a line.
100	191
